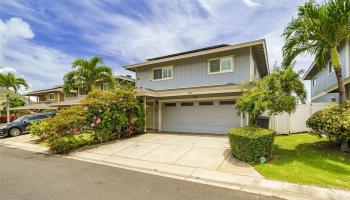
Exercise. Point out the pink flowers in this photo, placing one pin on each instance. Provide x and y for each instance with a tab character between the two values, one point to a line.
98	121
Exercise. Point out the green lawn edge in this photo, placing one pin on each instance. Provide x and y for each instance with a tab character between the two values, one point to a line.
307	159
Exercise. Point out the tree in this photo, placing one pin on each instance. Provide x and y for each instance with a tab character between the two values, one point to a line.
318	30
86	72
277	92
10	81
332	121
14	102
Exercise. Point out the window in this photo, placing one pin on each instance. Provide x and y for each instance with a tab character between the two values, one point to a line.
163	73
105	87
170	104
187	104
52	96
314	81
221	65
330	67
206	103
227	102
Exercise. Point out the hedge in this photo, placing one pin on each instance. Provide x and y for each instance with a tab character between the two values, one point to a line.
64	144
250	143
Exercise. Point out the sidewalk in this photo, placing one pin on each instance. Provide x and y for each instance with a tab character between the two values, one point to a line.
248	183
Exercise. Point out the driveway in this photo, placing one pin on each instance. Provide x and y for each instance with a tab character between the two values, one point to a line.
210	152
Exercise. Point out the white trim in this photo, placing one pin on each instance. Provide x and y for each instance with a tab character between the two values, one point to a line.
319	95
312	81
154	113
251	65
145	110
163	79
330	73
217	50
221	58
54	96
159	116
198	99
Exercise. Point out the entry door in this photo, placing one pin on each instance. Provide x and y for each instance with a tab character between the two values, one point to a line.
149	115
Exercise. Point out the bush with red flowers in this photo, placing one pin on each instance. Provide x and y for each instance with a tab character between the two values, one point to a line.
114	114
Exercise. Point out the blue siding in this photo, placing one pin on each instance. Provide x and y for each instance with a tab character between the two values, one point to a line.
194	73
326	98
326	80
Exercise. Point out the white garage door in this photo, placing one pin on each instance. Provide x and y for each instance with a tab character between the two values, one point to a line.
200	117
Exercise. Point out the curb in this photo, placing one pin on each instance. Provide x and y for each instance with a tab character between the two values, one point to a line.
249	184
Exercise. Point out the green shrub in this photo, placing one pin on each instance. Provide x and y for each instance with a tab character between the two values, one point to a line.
68	121
251	143
332	121
40	129
114	114
66	143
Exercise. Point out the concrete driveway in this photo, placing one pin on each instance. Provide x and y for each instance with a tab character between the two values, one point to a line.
210	152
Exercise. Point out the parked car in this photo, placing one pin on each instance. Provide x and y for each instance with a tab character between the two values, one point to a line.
20	125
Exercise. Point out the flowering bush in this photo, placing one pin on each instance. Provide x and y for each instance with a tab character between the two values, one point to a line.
114	114
67	121
332	121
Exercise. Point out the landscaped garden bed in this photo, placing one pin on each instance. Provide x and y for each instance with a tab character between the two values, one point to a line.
103	116
307	159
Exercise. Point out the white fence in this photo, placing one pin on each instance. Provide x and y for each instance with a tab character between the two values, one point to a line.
295	122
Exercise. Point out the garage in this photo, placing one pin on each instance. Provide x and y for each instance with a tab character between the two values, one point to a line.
200	117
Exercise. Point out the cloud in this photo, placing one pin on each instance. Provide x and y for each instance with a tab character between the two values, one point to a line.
126	32
41	66
251	3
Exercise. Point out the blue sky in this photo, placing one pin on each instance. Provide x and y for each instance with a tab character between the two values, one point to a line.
39	39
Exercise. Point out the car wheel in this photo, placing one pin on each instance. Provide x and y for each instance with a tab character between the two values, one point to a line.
15	132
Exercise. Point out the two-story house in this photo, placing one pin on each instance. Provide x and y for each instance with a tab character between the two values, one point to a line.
324	87
53	98
196	91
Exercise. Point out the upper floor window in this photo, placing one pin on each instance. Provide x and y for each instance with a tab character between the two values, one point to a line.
52	96
163	73
105	86
330	67
221	65
314	81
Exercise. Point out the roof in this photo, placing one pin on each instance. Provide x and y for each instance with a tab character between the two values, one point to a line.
69	102
258	47
191	51
207	90
311	71
126	78
35	106
57	88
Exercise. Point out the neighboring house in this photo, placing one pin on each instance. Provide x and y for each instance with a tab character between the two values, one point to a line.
196	91
324	87
53	98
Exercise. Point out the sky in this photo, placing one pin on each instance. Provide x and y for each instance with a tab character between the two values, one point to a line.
39	39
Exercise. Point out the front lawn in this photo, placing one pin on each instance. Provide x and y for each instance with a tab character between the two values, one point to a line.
307	159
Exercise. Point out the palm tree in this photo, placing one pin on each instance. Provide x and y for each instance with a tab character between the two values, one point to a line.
10	81
319	30
86	72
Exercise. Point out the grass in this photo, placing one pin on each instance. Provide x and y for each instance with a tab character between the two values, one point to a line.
308	159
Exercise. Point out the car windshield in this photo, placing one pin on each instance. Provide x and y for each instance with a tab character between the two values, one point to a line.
20	119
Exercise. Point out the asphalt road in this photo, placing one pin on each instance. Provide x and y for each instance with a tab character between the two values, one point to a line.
32	176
